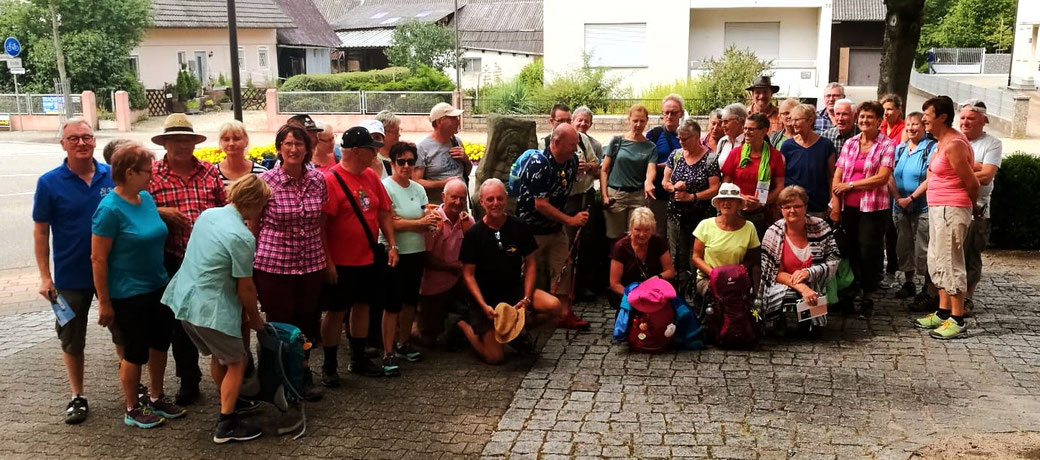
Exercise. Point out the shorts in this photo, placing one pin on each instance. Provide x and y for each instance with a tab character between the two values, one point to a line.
73	334
433	310
357	285
404	282
911	241
947	228
551	259
616	216
225	348
144	323
974	243
292	299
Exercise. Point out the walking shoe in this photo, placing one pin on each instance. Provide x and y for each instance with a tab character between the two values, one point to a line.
234	429
141	417
76	412
245	406
524	344
866	309
928	304
889	280
929	321
907	290
308	392
330	378
969	307
407	353
142	393
572	321
948	330
187	394
365	367
165	408
390	367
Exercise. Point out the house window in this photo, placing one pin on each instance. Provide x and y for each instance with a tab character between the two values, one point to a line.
182	60
135	65
261	57
471	65
241	57
616	45
761	38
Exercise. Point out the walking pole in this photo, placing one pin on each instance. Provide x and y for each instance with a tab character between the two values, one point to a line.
572	253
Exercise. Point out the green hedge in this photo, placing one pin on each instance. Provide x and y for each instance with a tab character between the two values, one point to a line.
1014	220
389	79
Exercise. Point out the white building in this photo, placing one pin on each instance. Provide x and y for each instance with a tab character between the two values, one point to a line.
1024	71
667	40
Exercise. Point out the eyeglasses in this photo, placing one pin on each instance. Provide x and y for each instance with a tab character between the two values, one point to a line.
498	237
147	171
792	207
751	128
76	139
404	161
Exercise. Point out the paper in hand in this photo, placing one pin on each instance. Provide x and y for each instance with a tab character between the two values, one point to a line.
62	311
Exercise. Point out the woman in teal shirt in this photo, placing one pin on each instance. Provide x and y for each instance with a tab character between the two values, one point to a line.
628	172
127	258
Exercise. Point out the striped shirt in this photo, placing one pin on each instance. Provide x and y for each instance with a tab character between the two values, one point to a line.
881	154
255	168
290	229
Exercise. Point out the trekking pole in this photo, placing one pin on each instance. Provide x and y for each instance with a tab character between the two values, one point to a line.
572	260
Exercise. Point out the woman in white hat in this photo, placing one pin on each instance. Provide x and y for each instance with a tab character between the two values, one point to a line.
726	239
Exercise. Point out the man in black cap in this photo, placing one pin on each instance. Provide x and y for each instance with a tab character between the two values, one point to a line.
307	123
762	91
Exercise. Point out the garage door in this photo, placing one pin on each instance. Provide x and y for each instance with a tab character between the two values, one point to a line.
864	66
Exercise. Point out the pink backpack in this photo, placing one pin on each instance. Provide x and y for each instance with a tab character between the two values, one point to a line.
731	324
653	317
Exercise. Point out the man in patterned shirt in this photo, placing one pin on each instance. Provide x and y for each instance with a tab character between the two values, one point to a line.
545	183
844	124
825	117
183	187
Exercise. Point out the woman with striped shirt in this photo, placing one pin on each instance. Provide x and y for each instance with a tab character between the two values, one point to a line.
233	141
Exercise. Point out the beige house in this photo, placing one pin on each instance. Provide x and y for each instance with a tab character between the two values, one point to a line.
193	35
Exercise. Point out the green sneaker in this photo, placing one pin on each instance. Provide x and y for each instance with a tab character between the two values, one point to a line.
948	330
929	321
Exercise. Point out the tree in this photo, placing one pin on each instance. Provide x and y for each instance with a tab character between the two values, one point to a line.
725	78
902	33
969	24
422	43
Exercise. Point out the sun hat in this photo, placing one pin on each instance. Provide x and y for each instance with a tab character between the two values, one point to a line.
508	322
651	295
177	124
443	109
763	81
977	106
304	121
727	191
373	127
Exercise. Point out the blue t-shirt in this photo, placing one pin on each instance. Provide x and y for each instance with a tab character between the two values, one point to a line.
135	263
543	177
665	142
67	204
912	169
809	168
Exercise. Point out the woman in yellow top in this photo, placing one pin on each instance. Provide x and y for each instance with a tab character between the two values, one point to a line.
726	239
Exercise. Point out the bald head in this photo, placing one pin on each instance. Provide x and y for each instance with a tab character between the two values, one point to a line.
564	142
454	197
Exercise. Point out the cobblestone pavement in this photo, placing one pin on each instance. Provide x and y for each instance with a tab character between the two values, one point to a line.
866	389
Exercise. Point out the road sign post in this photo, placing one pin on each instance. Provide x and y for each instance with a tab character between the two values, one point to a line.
12	47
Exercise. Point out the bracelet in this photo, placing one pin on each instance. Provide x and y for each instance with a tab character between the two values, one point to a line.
393	247
527	301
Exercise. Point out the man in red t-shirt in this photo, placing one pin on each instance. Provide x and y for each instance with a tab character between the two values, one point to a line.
352	249
758	187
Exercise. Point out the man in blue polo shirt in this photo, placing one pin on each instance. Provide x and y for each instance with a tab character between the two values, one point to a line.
65	200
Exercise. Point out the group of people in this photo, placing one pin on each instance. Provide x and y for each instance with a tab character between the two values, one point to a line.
377	235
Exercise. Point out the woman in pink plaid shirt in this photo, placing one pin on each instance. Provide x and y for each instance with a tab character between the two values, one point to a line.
860	200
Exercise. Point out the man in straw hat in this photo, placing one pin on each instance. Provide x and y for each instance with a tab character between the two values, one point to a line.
762	91
498	267
183	187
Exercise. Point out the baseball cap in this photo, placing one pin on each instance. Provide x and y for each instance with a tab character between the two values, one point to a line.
373	126
359	137
304	121
443	109
977	106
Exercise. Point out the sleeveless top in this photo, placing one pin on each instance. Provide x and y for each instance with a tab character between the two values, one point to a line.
945	187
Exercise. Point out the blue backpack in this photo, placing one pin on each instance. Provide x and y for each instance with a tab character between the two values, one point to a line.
513	187
688	332
624	316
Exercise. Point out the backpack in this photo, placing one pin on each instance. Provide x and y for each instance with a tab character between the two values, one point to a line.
731	322
649	332
281	352
623	321
689	335
517	169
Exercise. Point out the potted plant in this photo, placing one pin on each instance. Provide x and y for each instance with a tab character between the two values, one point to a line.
106	119
192	106
225	103
184	91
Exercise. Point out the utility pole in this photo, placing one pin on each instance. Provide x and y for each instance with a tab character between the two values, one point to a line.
458	60
236	79
63	79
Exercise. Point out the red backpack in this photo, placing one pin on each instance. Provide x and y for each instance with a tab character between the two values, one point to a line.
731	323
647	331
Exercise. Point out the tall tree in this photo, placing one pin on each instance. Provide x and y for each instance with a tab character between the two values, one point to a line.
422	44
970	23
902	33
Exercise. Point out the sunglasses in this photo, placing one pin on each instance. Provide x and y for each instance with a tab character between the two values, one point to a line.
402	161
498	237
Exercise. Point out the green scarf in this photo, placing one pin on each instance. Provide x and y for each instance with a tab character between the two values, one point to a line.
763	166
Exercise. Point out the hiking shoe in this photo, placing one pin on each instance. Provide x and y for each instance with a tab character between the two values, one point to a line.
572	321
407	353
308	392
390	367
929	303
142	417
165	408
187	394
365	367
929	321
969	307
524	344
948	330
234	429
76	411
330	378
866	309
245	406
907	291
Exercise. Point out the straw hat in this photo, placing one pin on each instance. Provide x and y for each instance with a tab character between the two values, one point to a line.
651	295
177	124
508	322
727	191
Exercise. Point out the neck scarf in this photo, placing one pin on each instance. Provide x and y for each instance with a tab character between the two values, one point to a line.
763	166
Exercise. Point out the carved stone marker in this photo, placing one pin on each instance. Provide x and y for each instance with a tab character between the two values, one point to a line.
507	139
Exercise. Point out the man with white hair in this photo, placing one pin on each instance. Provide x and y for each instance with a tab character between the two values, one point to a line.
442	273
825	117
733	117
844	124
988	151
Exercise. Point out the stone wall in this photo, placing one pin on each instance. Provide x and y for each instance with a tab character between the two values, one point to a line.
996	64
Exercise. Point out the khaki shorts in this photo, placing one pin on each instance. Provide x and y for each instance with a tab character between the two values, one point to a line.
947	228
551	257
617	215
912	241
227	349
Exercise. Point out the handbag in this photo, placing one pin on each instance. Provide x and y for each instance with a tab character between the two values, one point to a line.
379	255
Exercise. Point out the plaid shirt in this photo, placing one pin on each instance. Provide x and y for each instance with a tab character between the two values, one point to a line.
773	114
881	154
823	121
837	138
290	230
199	191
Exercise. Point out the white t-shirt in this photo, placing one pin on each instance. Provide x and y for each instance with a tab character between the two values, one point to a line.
988	151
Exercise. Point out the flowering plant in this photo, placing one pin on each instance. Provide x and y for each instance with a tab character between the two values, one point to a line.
475	152
255	153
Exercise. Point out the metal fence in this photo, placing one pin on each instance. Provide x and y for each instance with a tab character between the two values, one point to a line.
404	102
360	102
998	102
959	60
39	104
542	106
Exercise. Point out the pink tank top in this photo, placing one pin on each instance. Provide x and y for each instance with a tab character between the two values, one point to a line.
945	187
853	198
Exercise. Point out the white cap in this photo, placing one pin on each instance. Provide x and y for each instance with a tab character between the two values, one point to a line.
373	127
443	109
727	191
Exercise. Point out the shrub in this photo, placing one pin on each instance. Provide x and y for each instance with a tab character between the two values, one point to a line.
389	79
690	89
586	85
187	86
725	78
532	75
512	97
1015	225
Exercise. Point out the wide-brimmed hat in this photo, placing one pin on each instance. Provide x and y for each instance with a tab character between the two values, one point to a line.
727	191
443	109
763	81
359	137
651	295
304	121
177	124
977	106
508	322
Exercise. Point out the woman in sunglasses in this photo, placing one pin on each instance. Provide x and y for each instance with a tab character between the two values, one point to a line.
411	221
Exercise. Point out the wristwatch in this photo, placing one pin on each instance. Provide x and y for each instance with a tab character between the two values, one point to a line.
393	247
527	300
851	185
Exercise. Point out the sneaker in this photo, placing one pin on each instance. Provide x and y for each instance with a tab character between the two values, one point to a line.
187	394
407	353
572	321
889	280
866	309
142	393
928	304
165	408
390	367
907	290
308	392
76	411
330	378
365	367
142	417
929	321
245	406
969	307
234	429
948	330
